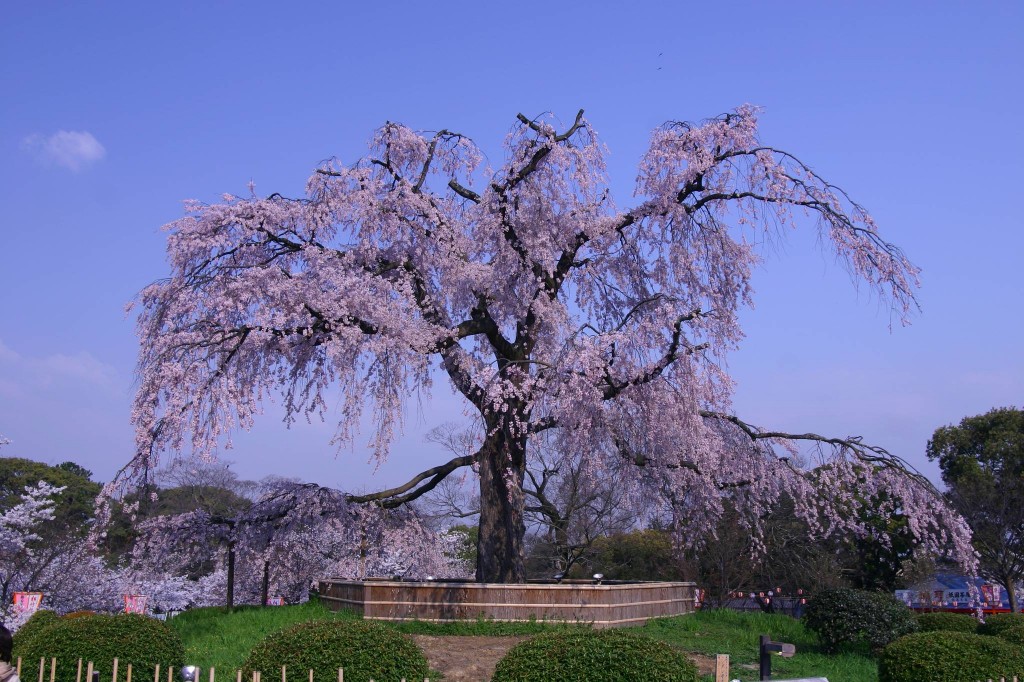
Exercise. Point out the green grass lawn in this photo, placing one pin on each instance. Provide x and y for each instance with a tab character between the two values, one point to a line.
736	634
214	637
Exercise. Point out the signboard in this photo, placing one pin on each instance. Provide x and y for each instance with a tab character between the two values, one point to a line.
135	603
275	601
956	597
991	594
27	601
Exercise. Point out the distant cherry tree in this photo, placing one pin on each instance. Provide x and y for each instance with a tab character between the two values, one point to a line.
547	307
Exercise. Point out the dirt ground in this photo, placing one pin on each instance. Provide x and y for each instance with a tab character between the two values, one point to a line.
473	659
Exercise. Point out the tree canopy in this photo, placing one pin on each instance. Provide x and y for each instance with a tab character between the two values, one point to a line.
982	462
547	307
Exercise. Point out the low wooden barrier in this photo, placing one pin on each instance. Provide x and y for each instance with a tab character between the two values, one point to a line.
603	605
86	672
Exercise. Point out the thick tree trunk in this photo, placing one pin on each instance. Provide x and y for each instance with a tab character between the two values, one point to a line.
265	591
500	544
1011	593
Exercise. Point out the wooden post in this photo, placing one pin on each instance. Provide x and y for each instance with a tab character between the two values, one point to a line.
113	672
722	668
78	676
42	668
19	666
170	673
310	675
88	672
284	677
266	583
341	675
53	669
211	674
156	673
128	673
231	575
239	676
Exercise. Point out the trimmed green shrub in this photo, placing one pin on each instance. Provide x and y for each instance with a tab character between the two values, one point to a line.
947	622
1014	635
844	617
949	657
366	650
594	656
998	622
129	637
39	621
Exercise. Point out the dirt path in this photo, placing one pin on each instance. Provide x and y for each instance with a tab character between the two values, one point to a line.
473	659
465	659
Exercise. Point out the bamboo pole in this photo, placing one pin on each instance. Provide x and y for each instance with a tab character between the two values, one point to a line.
88	672
42	668
53	669
156	674
78	676
128	673
113	672
284	677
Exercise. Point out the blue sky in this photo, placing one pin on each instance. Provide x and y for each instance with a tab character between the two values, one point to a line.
112	113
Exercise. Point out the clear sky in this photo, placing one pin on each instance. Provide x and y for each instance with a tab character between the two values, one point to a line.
112	113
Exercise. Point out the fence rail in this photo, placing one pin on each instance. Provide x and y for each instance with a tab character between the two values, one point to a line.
93	675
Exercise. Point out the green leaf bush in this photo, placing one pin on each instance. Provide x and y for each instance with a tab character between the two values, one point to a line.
39	621
1014	635
594	656
949	657
947	622
998	622
844	617
365	650
131	638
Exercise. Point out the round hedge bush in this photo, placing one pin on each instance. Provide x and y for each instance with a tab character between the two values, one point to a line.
949	657
998	622
39	621
947	622
366	650
594	656
129	637
1014	635
843	617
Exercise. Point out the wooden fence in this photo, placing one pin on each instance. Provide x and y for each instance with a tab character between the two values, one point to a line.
48	673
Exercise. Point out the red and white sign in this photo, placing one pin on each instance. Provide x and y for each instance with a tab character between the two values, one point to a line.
135	603
28	601
275	601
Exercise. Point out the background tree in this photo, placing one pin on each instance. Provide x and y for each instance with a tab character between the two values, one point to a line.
545	305
982	462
